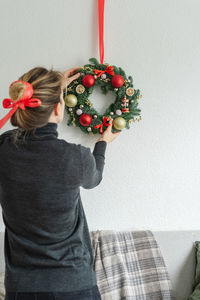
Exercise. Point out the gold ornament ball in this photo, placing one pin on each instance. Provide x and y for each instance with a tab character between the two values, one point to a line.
111	113
119	123
89	129
71	100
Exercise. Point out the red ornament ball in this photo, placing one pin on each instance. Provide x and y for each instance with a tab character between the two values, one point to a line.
85	119
117	81
88	80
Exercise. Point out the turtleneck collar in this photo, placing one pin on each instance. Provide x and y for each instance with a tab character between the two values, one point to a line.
49	128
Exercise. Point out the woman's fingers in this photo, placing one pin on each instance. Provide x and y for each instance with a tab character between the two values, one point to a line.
71	75
110	128
71	71
74	76
111	122
70	79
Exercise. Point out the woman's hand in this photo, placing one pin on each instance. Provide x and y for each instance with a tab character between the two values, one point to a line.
108	136
71	75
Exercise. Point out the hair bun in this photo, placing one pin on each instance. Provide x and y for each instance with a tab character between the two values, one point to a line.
17	90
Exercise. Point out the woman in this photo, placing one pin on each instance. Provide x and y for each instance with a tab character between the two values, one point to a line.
47	246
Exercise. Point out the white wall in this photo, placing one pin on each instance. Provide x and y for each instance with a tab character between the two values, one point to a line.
151	175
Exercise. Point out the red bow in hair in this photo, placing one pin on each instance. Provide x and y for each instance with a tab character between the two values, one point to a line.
25	100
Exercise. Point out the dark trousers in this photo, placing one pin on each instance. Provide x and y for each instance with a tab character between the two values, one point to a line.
87	294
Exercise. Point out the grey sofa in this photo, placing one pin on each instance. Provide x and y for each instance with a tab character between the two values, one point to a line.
178	251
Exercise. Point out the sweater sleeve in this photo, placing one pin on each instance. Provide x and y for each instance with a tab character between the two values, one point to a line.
92	165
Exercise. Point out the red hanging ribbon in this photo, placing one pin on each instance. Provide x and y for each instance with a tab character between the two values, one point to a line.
101	28
105	119
108	70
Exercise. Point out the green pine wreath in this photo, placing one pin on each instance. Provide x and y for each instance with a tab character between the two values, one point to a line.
109	78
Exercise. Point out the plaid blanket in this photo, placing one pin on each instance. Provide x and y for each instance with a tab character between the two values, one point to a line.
129	265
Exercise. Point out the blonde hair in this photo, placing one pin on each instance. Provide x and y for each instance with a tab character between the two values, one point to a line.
47	86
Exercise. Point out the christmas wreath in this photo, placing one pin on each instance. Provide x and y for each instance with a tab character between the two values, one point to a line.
110	78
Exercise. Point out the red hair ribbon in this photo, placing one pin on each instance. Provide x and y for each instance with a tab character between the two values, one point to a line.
25	100
105	119
108	70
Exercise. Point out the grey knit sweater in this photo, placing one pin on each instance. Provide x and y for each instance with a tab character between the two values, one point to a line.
47	245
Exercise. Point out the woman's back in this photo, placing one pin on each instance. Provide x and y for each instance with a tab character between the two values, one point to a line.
47	243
